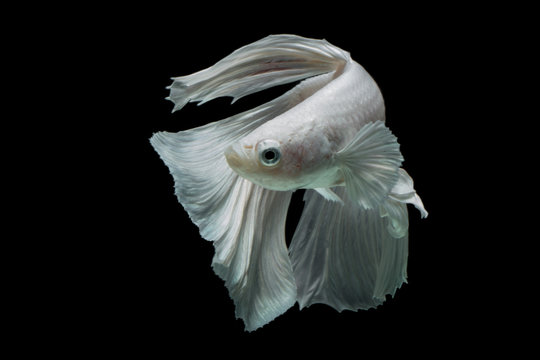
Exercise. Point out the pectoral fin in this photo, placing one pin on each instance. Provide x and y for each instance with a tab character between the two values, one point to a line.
370	164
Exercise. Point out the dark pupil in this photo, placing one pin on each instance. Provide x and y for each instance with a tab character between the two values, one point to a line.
269	155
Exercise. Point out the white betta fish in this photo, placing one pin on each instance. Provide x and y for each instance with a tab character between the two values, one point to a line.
235	178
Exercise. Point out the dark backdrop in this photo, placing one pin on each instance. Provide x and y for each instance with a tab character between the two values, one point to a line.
154	288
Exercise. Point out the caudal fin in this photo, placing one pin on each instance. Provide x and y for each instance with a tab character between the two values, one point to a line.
271	61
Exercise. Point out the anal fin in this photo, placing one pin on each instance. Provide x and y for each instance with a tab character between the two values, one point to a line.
344	256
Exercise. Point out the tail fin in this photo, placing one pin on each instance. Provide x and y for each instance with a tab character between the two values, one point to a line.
271	61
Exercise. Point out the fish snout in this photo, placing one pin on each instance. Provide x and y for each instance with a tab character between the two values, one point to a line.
239	158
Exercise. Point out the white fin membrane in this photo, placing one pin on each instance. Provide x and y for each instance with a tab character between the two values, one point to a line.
344	256
271	61
402	193
245	222
328	194
370	164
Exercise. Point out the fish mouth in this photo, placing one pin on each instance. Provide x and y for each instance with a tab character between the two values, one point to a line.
238	158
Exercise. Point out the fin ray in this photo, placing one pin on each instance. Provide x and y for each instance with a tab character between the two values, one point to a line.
328	194
370	164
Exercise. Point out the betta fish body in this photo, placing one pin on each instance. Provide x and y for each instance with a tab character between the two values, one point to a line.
235	178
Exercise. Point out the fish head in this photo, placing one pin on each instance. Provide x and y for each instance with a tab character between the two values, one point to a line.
277	162
263	162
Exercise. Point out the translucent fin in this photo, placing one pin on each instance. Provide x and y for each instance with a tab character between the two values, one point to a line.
328	194
404	192
398	217
344	256
370	164
395	206
245	222
256	269
271	61
392	270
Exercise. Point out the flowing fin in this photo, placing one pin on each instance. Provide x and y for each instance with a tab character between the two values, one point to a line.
370	164
245	222
328	194
398	217
271	61
395	206
344	256
392	270
404	192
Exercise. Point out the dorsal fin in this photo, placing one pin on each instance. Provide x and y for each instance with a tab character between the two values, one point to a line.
271	61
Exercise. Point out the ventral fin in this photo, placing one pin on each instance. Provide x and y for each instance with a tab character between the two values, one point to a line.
395	206
329	195
404	192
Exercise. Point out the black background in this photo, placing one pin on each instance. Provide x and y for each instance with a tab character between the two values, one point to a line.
147	283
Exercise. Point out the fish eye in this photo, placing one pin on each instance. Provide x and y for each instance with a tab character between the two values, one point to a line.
269	153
